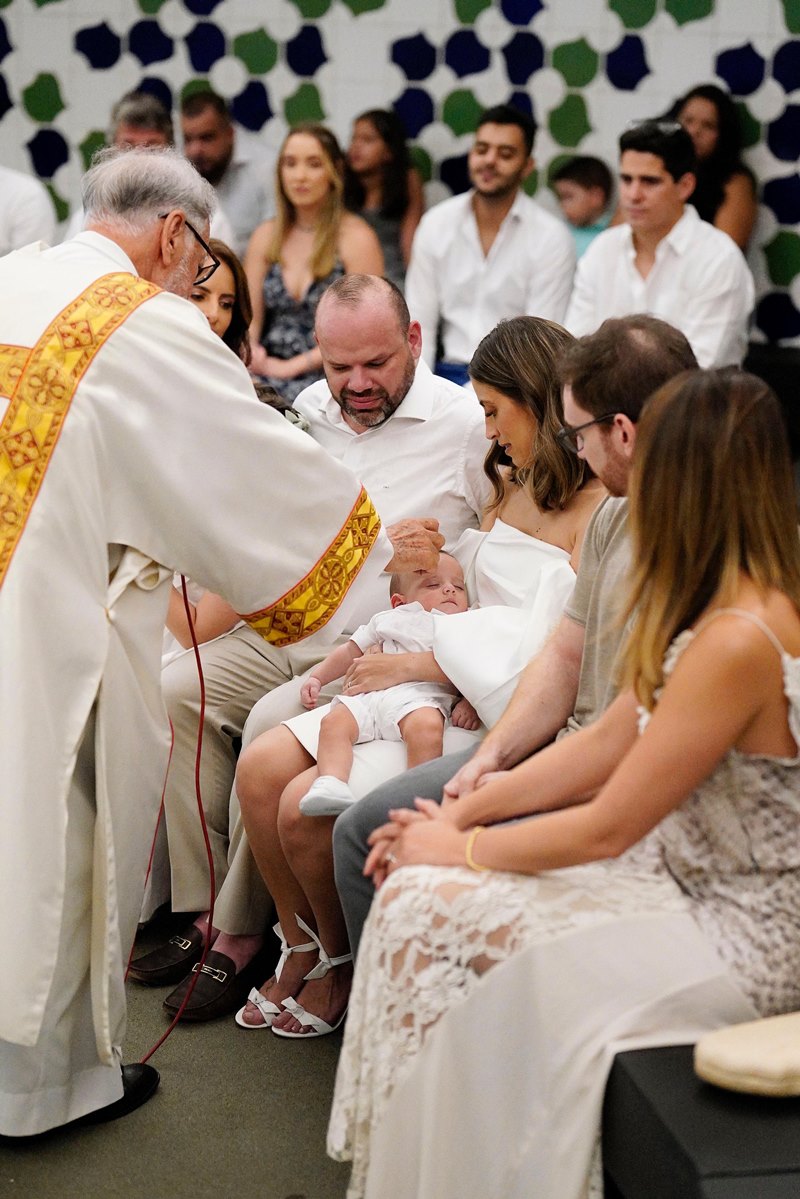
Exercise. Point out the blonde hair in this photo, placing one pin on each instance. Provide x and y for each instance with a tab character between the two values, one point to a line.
325	247
712	495
519	359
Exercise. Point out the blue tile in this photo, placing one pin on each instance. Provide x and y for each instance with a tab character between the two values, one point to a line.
305	53
786	66
415	109
520	12
782	197
783	136
251	107
415	56
626	66
206	45
777	317
524	55
465	55
148	43
742	68
48	151
455	173
100	45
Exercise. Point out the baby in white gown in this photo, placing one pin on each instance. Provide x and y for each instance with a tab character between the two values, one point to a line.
414	712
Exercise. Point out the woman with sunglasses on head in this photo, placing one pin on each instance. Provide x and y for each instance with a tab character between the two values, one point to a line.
383	187
655	892
293	258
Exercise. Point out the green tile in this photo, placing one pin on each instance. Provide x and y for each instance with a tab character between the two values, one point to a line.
468	10
531	184
42	98
93	142
577	62
751	128
59	203
783	258
421	159
151	6
634	14
311	9
569	123
685	11
359	6
195	85
304	105
461	111
257	51
41	3
791	13
4	3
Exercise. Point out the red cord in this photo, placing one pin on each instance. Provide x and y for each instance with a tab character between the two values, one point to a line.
213	883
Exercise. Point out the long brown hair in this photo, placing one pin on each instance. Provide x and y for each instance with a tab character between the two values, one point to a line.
712	495
236	336
325	247
519	359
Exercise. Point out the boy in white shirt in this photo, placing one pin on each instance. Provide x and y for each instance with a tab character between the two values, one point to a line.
411	712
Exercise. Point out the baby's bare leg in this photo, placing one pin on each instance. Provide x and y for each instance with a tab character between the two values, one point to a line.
422	731
337	736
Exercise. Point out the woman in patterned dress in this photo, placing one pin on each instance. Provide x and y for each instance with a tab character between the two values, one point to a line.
293	258
655	894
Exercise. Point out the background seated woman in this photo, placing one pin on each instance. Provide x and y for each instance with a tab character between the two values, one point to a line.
383	187
292	259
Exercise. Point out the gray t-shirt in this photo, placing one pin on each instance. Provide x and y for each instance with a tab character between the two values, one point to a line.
595	603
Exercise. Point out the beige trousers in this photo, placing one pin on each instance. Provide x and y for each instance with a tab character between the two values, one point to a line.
238	668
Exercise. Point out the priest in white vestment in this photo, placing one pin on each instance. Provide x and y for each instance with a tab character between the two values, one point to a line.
131	444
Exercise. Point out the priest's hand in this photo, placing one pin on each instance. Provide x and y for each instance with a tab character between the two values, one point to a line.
416	545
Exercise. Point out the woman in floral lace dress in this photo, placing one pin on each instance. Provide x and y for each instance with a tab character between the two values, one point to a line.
654	896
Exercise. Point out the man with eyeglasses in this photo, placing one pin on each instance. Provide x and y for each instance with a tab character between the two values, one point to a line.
131	443
607	377
665	260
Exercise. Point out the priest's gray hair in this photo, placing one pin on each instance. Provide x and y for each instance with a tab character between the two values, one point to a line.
130	189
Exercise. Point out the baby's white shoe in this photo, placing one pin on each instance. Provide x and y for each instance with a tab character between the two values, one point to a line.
327	796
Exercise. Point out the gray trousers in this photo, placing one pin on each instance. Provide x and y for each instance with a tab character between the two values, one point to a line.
355	824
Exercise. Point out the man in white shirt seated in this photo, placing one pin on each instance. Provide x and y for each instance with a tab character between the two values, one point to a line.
490	253
241	171
419	443
26	211
665	260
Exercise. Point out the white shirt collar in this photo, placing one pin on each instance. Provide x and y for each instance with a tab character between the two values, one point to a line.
679	237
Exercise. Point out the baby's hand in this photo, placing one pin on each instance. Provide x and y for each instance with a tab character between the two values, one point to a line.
464	716
309	692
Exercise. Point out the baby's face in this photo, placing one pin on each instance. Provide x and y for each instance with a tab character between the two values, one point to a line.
443	588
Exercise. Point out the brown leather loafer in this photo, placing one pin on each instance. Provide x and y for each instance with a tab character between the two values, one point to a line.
169	963
219	989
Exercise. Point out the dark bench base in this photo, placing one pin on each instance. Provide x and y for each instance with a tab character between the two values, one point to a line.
667	1135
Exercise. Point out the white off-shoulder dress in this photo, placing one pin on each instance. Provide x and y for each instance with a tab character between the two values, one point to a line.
487	1008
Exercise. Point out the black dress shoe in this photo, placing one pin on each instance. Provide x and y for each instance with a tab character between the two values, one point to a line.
219	989
169	963
139	1082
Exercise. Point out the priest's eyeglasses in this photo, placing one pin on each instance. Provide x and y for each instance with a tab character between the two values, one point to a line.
205	270
571	437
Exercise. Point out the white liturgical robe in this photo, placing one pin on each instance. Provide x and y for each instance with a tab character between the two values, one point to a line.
131	444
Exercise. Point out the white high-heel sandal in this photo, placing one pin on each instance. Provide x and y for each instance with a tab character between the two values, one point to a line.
268	1009
318	1026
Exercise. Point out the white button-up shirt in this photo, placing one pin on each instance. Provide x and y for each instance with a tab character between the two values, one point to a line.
699	282
246	192
26	211
426	460
528	271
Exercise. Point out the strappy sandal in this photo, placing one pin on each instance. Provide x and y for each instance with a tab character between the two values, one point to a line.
318	1026
270	1011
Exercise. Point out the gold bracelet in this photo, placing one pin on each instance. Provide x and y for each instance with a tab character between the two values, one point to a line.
473	865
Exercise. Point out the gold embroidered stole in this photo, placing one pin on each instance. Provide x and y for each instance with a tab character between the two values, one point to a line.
41	384
310	603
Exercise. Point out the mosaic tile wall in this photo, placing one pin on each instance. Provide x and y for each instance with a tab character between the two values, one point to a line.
583	67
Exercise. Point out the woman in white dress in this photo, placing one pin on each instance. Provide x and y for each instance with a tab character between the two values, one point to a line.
655	895
526	558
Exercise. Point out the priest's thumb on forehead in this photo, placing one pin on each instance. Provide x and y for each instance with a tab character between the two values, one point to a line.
416	545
